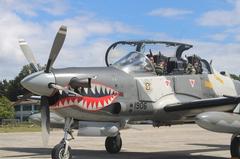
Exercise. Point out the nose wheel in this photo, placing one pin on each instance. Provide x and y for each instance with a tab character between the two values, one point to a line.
59	151
63	150
113	144
235	147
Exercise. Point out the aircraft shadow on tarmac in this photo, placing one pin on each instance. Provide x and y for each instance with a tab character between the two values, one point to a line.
101	154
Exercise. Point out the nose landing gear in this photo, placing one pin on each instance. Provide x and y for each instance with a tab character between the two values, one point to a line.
63	150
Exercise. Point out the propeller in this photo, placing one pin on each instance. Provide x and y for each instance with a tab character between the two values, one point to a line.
28	54
45	118
56	47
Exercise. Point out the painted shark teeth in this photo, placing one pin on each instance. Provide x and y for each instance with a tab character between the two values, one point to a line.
71	102
93	90
100	105
92	99
97	90
86	90
94	106
105	103
80	103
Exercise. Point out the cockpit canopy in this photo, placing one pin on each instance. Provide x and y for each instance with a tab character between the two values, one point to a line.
145	56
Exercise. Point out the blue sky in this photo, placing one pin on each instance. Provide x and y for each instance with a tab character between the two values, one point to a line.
213	27
135	13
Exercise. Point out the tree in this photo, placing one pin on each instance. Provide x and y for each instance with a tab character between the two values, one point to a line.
12	88
3	87
6	108
235	77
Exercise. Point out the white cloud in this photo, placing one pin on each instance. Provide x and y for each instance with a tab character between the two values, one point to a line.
218	36
227	19
230	34
222	17
169	12
86	42
31	7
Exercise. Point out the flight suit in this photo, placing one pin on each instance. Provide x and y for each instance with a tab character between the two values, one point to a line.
190	69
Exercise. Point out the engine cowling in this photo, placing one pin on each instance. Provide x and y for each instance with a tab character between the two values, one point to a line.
219	122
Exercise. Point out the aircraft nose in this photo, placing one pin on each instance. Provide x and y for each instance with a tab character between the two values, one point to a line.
37	83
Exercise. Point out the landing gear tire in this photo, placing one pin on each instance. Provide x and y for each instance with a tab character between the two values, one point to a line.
113	144
58	152
235	147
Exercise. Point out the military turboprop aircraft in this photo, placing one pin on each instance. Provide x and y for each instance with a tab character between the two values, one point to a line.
143	80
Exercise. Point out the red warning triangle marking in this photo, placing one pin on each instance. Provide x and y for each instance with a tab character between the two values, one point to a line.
167	82
192	82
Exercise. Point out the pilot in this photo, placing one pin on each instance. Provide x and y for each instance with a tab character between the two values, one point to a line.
190	69
161	68
150	57
196	63
152	60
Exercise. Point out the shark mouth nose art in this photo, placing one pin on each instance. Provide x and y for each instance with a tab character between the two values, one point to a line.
93	99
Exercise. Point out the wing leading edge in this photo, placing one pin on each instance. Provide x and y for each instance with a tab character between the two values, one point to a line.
203	103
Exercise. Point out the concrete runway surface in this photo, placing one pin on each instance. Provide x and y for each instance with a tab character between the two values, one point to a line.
140	142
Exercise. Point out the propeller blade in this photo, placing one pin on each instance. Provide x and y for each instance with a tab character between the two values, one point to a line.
45	118
56	47
28	54
23	98
66	90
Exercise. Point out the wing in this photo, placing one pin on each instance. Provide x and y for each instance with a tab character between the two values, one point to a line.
203	103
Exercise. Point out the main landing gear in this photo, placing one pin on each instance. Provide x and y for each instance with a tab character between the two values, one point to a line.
235	146
113	144
63	150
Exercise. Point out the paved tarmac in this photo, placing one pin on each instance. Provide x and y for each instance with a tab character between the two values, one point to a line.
140	142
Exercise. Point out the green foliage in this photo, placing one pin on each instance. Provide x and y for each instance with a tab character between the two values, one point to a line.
6	109
235	77
12	88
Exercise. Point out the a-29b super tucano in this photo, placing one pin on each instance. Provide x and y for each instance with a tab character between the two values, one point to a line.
143	80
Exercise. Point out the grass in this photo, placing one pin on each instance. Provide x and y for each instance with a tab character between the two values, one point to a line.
23	127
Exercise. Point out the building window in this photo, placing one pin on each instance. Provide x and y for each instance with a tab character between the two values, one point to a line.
37	107
27	108
18	118
17	108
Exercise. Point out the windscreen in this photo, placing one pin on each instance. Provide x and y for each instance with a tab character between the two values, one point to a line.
134	62
119	51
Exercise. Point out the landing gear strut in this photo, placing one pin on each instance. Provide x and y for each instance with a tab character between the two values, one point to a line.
63	150
113	144
235	146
